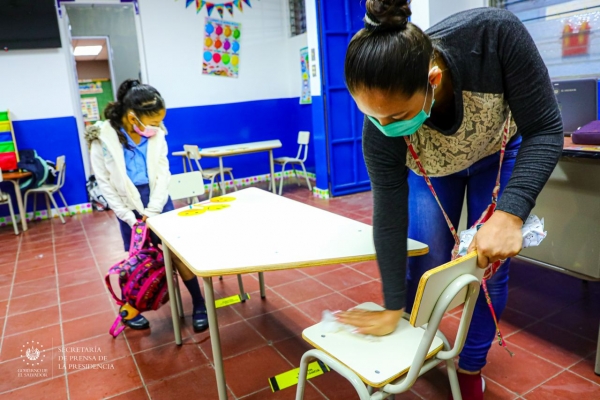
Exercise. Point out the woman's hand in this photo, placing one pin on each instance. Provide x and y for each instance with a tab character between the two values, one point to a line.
498	239
376	323
144	218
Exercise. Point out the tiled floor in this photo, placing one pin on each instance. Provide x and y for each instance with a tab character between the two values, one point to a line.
52	293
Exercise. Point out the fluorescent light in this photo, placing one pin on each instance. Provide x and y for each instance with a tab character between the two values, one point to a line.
87	50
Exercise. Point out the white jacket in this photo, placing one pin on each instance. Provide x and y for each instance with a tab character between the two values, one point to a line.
108	163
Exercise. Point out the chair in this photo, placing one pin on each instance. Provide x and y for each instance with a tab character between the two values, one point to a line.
303	139
5	199
49	189
391	364
192	153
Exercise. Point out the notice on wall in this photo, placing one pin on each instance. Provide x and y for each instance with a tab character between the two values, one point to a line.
305	97
90	110
221	48
90	87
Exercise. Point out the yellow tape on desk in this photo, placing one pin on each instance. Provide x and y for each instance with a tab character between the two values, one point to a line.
227	301
290	378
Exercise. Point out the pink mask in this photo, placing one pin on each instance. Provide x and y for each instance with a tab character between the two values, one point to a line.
148	131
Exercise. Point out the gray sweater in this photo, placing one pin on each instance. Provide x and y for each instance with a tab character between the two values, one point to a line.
491	56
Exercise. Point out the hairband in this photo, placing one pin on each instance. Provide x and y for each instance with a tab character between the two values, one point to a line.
371	22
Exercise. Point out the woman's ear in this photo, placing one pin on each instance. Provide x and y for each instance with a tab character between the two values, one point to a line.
435	76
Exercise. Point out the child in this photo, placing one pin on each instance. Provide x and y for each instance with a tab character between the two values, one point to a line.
129	158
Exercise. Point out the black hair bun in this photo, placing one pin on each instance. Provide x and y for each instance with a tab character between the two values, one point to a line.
390	14
125	87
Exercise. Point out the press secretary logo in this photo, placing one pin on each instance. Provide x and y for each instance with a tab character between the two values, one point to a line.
32	354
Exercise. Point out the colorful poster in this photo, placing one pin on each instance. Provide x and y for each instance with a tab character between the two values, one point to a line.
90	87
305	97
221	48
89	108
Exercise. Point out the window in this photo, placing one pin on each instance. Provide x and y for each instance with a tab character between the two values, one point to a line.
297	17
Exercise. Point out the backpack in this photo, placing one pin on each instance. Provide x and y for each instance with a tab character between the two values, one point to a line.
141	278
98	201
31	162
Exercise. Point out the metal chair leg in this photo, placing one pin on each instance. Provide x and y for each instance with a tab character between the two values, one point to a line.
56	207
47	195
64	202
282	175
241	285
306	176
12	216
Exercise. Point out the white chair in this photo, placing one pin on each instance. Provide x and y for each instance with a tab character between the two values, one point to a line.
5	199
391	364
49	190
303	139
192	153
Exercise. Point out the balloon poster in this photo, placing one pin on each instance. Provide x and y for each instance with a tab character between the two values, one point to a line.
305	97
221	48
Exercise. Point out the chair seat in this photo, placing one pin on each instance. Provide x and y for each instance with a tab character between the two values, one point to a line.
288	160
376	362
210	172
45	188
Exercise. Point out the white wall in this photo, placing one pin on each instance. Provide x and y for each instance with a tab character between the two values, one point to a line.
174	43
427	13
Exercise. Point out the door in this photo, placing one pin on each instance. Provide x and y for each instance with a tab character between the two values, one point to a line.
339	21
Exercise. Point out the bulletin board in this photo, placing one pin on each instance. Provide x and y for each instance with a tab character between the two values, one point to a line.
103	93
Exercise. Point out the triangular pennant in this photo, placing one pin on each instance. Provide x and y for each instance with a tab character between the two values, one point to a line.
199	5
229	7
239	4
209	8
189	2
248	2
220	10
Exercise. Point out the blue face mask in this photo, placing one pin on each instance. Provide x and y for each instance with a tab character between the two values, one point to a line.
406	127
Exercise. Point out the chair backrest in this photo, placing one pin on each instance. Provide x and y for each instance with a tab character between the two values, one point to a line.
61	168
184	186
192	153
1	177
303	139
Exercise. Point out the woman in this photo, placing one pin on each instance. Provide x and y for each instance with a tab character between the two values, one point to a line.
450	91
129	158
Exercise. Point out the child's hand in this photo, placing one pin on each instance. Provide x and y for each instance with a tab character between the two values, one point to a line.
144	218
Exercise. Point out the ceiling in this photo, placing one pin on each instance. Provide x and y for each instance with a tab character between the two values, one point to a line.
91	42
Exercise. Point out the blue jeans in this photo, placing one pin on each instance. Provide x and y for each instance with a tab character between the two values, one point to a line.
126	229
427	225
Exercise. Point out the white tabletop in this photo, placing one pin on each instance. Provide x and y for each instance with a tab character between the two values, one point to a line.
234	149
260	231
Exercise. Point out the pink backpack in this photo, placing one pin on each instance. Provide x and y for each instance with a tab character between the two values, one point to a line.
141	278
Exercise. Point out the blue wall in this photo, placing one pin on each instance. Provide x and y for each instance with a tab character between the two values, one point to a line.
205	126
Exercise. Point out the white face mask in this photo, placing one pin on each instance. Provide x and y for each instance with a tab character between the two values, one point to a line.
148	131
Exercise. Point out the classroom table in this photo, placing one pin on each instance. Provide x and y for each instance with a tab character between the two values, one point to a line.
264	232
14	178
236	150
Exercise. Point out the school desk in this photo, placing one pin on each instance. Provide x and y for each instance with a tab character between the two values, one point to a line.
253	227
236	150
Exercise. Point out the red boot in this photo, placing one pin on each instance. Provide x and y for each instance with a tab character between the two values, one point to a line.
471	386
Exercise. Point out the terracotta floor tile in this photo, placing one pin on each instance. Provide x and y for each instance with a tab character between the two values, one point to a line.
79	277
77	265
197	384
35	263
513	321
42	254
48	336
250	372
53	389
160	332
277	278
74	255
81	291
31	287
8	257
281	324
33	274
235	339
323	269
7	268
332	302
168	360
553	344
449	327
257	306
229	287
32	302
334	386
6	279
107	347
586	367
539	303
368	292
293	349
566	386
434	385
32	320
369	268
310	393
136	394
577	319
92	383
521	373
302	290
93	305
493	391
87	327
343	279
11	379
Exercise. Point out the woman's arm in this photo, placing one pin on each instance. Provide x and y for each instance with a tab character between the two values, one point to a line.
160	193
108	191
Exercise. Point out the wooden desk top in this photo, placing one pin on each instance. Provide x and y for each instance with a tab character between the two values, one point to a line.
580	150
260	231
11	176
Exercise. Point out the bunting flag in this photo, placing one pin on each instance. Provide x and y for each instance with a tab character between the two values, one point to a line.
221	7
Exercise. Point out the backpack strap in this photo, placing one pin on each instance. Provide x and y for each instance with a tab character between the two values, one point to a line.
139	237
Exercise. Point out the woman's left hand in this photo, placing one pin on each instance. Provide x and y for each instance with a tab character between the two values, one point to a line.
377	323
498	239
